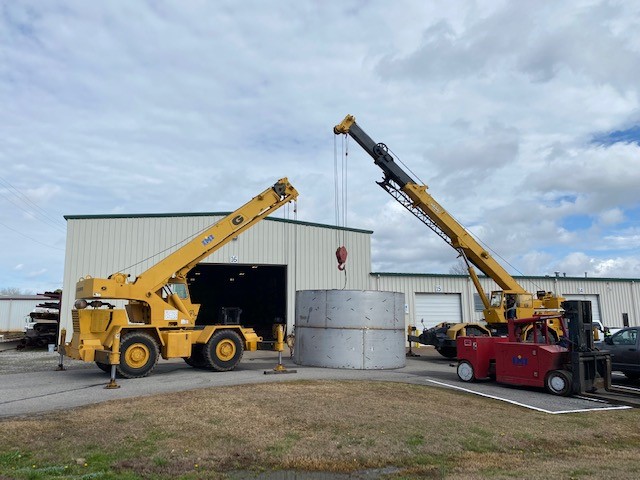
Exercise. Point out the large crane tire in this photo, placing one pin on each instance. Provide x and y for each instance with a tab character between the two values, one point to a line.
223	351
196	360
139	354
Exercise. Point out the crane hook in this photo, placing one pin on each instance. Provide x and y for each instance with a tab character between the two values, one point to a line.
341	256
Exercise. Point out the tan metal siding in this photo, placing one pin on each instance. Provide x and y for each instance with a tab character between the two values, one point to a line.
615	296
13	312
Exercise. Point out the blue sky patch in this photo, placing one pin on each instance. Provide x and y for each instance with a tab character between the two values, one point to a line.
630	135
577	222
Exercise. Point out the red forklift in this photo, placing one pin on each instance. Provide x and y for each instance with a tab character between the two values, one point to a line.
566	366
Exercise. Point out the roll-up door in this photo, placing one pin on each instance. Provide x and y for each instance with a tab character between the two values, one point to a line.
433	308
595	304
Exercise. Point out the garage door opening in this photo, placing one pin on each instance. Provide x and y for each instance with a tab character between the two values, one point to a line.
258	293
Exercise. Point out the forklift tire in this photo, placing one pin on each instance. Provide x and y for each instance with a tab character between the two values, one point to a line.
105	367
196	360
223	351
559	382
465	371
447	352
139	354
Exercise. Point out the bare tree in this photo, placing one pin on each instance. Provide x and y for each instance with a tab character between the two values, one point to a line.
460	268
9	291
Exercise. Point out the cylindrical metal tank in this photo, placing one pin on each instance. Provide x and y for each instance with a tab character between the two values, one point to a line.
350	329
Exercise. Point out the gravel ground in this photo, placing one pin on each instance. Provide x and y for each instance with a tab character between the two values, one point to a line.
30	359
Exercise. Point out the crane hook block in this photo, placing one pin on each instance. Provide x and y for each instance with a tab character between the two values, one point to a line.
341	256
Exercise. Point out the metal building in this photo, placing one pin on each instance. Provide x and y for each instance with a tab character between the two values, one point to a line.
432	298
15	308
261	270
258	272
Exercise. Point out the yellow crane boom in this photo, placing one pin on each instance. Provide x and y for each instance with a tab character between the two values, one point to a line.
415	198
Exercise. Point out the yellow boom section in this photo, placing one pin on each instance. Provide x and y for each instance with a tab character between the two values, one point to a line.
148	287
418	201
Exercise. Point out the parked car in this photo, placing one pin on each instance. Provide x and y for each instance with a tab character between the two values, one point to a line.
625	351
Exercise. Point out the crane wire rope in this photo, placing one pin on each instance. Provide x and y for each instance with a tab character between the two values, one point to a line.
184	240
340	202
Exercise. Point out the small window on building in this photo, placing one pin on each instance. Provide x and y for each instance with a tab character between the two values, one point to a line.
478	306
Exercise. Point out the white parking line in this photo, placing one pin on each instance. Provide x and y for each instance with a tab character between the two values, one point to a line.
531	407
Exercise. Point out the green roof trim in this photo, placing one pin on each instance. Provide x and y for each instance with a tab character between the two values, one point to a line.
207	214
525	277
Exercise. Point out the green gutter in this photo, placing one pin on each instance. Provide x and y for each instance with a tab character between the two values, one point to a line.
207	214
547	277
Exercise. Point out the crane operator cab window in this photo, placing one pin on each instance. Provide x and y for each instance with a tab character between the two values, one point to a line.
496	299
179	289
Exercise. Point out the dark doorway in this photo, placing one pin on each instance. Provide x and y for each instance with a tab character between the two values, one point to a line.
257	292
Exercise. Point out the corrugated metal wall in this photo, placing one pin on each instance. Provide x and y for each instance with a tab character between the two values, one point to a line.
100	246
616	296
14	310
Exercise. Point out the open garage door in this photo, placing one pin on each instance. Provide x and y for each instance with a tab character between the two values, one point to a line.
433	308
256	294
595	304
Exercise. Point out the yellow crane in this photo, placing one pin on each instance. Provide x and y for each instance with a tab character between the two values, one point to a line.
415	198
158	318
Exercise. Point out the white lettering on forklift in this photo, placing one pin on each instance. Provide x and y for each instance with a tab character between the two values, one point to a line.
171	314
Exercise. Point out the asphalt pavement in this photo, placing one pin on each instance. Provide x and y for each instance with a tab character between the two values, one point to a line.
32	385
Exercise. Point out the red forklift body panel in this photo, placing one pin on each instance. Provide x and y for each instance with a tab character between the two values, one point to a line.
480	352
521	363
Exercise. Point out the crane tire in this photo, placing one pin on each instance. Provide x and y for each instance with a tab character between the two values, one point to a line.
196	360
447	352
105	367
559	382
139	354
223	351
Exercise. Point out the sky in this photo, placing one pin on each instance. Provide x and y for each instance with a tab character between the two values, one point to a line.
522	117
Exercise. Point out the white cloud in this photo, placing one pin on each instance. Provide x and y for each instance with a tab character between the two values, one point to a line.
167	106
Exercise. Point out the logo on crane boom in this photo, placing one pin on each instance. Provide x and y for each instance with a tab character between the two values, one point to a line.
207	240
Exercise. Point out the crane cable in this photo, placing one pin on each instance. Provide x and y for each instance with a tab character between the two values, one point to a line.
340	202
